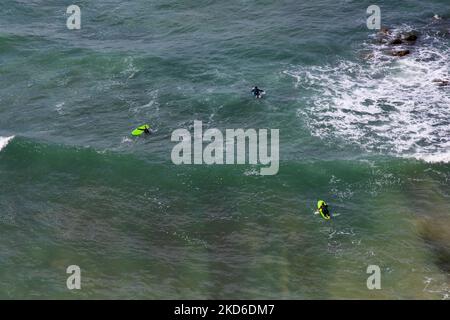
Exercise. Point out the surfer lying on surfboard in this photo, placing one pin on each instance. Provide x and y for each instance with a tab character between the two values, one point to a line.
142	129
322	208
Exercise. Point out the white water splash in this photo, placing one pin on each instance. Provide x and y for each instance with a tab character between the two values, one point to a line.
59	108
4	141
130	70
151	107
385	104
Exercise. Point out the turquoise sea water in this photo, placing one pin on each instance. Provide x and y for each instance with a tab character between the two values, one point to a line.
368	133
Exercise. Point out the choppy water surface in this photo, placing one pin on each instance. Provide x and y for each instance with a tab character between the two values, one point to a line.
367	132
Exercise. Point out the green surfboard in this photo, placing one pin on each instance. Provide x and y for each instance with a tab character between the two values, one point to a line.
319	205
140	130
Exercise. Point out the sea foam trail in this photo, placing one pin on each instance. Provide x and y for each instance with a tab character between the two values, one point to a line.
384	104
4	141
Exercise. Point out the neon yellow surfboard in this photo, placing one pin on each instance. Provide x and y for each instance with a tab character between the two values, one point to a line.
140	130
319	205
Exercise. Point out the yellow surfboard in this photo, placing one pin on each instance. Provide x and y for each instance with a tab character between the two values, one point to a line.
321	203
140	130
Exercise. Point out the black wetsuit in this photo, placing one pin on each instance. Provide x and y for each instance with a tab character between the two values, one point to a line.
257	92
325	210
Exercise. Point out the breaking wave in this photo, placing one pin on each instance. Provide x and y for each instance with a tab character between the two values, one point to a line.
4	141
383	103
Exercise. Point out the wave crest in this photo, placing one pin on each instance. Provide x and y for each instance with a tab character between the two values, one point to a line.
4	141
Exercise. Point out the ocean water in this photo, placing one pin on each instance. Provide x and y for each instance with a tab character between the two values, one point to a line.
366	132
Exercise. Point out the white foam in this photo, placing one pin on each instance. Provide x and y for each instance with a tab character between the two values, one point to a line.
387	104
4	141
152	106
59	108
252	172
130	70
434	158
126	140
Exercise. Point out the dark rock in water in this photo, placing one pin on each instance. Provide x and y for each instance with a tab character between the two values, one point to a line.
410	37
383	35
385	31
396	41
441	83
368	56
386	36
400	53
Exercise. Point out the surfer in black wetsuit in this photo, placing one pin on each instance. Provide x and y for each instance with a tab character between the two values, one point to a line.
145	129
257	92
324	208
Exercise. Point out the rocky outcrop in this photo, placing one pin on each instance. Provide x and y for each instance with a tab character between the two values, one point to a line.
396	41
386	36
410	37
400	53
